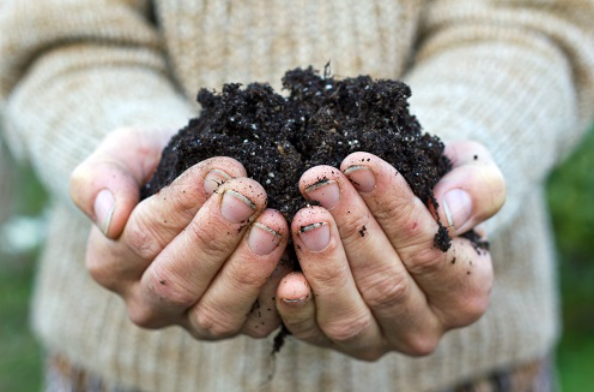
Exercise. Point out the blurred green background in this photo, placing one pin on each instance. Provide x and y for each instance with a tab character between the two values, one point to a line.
571	198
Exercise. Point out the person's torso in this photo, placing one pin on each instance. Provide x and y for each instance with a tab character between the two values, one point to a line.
214	42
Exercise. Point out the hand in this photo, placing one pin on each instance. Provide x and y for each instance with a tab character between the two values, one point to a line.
372	279
195	254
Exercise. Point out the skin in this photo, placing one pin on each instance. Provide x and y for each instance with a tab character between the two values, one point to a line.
380	285
372	281
180	257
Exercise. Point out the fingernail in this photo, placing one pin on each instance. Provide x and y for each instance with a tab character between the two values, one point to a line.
457	206
297	302
326	192
236	208
362	178
214	179
262	239
104	208
316	237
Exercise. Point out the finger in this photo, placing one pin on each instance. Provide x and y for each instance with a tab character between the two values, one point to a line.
264	316
225	306
407	222
155	222
160	218
473	191
341	313
181	273
106	185
296	305
411	229
463	293
396	301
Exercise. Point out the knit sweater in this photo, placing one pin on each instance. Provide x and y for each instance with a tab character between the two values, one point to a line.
515	75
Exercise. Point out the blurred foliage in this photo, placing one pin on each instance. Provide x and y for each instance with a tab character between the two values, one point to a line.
20	354
21	358
571	198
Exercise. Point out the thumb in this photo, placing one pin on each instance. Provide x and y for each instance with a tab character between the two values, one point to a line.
473	191
106	186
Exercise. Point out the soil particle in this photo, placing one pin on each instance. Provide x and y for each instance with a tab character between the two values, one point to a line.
363	231
480	245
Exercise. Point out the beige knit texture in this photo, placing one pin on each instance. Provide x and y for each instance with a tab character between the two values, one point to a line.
516	75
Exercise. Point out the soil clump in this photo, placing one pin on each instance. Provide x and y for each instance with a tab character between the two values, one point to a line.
320	122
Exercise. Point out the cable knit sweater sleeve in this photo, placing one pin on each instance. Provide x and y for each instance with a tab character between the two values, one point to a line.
516	75
67	81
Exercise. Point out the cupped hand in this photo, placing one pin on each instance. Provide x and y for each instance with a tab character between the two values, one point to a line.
202	253
372	280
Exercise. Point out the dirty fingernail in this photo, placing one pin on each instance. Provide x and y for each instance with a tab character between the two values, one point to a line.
214	179
296	302
262	239
316	237
457	206
362	178
326	192
104	209
235	207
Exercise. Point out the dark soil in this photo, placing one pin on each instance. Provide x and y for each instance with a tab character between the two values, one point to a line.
321	122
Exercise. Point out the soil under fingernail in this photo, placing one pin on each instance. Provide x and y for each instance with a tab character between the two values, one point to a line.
235	207
214	179
262	239
361	177
316	236
327	193
297	302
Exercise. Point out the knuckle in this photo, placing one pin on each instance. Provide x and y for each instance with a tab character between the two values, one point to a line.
78	176
184	198
214	324
144	316
425	260
329	277
301	328
99	262
469	310
260	331
387	291
98	270
209	240
497	189
370	355
393	210
248	278
79	179
348	330
420	344
141	239
174	295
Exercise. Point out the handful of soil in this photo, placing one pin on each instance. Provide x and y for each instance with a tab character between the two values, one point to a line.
322	121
